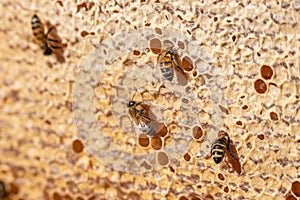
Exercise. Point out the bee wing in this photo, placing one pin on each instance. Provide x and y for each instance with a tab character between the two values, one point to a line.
233	159
53	41
182	77
145	119
232	151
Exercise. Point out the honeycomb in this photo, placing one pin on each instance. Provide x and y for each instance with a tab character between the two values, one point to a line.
65	128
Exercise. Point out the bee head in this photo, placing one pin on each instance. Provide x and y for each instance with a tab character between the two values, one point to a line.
47	51
131	103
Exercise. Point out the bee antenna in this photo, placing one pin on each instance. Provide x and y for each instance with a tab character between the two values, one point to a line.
133	96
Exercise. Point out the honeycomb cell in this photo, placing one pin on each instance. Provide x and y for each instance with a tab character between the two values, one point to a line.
14	189
136	52
233	38
202	66
221	177
143	140
84	33
261	137
162	158
56	196
187	64
60	3
163	131
290	197
168	43
184	100
226	189
260	86
181	45
77	146
266	72
187	157
195	74
158	31
273	116
183	198
133	195
156	143
239	123
296	188
245	107
155	45
197	132
249	145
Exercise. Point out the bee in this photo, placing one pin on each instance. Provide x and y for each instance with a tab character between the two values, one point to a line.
46	43
168	62
221	146
138	111
3	192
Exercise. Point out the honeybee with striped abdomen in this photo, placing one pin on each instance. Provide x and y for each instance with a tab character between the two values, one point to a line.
46	43
139	112
168	62
221	146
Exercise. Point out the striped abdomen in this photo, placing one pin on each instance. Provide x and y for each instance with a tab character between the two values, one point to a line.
147	129
219	147
166	64
38	29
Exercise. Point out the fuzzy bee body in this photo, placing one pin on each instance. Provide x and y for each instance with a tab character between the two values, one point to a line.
219	147
46	43
138	112
166	64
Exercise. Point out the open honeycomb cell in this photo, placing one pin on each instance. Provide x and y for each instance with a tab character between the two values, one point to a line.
266	72
241	75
